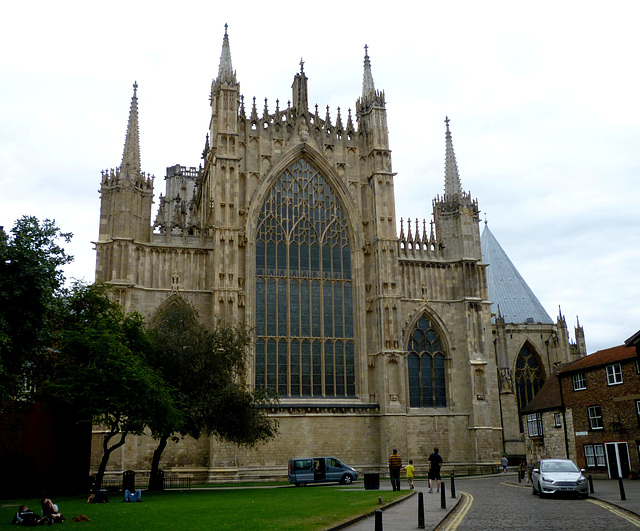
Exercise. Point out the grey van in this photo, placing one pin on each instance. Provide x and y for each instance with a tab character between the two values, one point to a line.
320	470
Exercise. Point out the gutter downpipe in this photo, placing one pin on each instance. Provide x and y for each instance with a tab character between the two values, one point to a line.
564	417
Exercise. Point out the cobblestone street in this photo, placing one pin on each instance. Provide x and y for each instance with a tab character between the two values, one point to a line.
500	504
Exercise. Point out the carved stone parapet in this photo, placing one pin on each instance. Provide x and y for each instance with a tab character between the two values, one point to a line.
323	409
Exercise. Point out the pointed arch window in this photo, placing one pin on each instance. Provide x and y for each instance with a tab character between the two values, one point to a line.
528	378
304	306
426	367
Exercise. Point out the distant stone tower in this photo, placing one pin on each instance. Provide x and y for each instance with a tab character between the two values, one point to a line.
126	195
289	225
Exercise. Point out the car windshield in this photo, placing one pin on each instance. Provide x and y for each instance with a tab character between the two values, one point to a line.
558	466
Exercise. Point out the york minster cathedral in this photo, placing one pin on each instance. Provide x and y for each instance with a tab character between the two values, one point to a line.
375	333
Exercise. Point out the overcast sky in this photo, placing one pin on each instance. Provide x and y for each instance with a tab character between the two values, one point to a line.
543	99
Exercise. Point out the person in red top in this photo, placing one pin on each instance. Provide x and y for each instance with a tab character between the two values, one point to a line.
395	465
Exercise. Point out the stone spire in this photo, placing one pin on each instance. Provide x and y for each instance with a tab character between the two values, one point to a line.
371	98
131	155
368	88
225	70
452	186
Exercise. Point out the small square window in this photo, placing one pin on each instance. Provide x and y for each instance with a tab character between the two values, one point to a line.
614	374
579	381
557	417
595	417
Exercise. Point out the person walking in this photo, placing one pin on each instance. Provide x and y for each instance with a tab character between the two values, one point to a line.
395	465
504	462
435	462
410	470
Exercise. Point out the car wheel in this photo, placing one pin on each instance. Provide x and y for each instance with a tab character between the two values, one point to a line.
347	480
300	484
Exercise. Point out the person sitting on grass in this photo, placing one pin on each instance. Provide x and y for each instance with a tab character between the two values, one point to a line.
98	497
24	516
133	496
50	512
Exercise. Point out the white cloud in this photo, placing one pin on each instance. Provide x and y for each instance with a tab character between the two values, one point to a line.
542	97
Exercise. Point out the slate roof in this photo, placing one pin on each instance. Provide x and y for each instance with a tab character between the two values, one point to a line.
507	289
548	397
600	358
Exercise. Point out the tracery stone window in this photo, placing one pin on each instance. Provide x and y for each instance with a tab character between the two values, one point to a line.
528	377
426	367
304	301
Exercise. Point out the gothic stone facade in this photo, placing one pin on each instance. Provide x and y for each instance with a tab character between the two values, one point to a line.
372	340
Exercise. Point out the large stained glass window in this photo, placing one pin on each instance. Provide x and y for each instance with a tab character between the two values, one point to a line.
528	378
426	367
304	302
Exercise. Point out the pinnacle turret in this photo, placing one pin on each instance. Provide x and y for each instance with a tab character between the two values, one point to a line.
452	186
368	88
300	96
371	98
226	74
131	154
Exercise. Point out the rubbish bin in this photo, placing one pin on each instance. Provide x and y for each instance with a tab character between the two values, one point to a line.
129	480
372	481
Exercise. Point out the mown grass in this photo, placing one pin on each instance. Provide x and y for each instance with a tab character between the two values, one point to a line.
281	508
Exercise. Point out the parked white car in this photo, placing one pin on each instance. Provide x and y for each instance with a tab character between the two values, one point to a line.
553	476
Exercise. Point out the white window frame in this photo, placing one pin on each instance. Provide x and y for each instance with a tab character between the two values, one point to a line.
614	374
579	381
557	418
595	418
594	456
534	425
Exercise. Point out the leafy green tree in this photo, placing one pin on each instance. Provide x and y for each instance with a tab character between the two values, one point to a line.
30	284
205	368
101	369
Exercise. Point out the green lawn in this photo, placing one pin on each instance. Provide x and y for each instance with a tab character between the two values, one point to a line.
281	508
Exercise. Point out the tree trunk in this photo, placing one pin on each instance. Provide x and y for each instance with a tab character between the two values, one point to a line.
107	454
156	482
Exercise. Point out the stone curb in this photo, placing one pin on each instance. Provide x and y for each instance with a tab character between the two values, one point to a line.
356	519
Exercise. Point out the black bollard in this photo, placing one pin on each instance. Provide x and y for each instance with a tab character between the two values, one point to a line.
443	499
453	485
622	495
590	484
378	516
420	510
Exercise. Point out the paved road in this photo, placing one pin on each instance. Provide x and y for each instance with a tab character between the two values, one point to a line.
497	503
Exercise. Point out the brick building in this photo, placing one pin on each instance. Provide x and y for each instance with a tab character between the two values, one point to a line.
548	426
590	413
